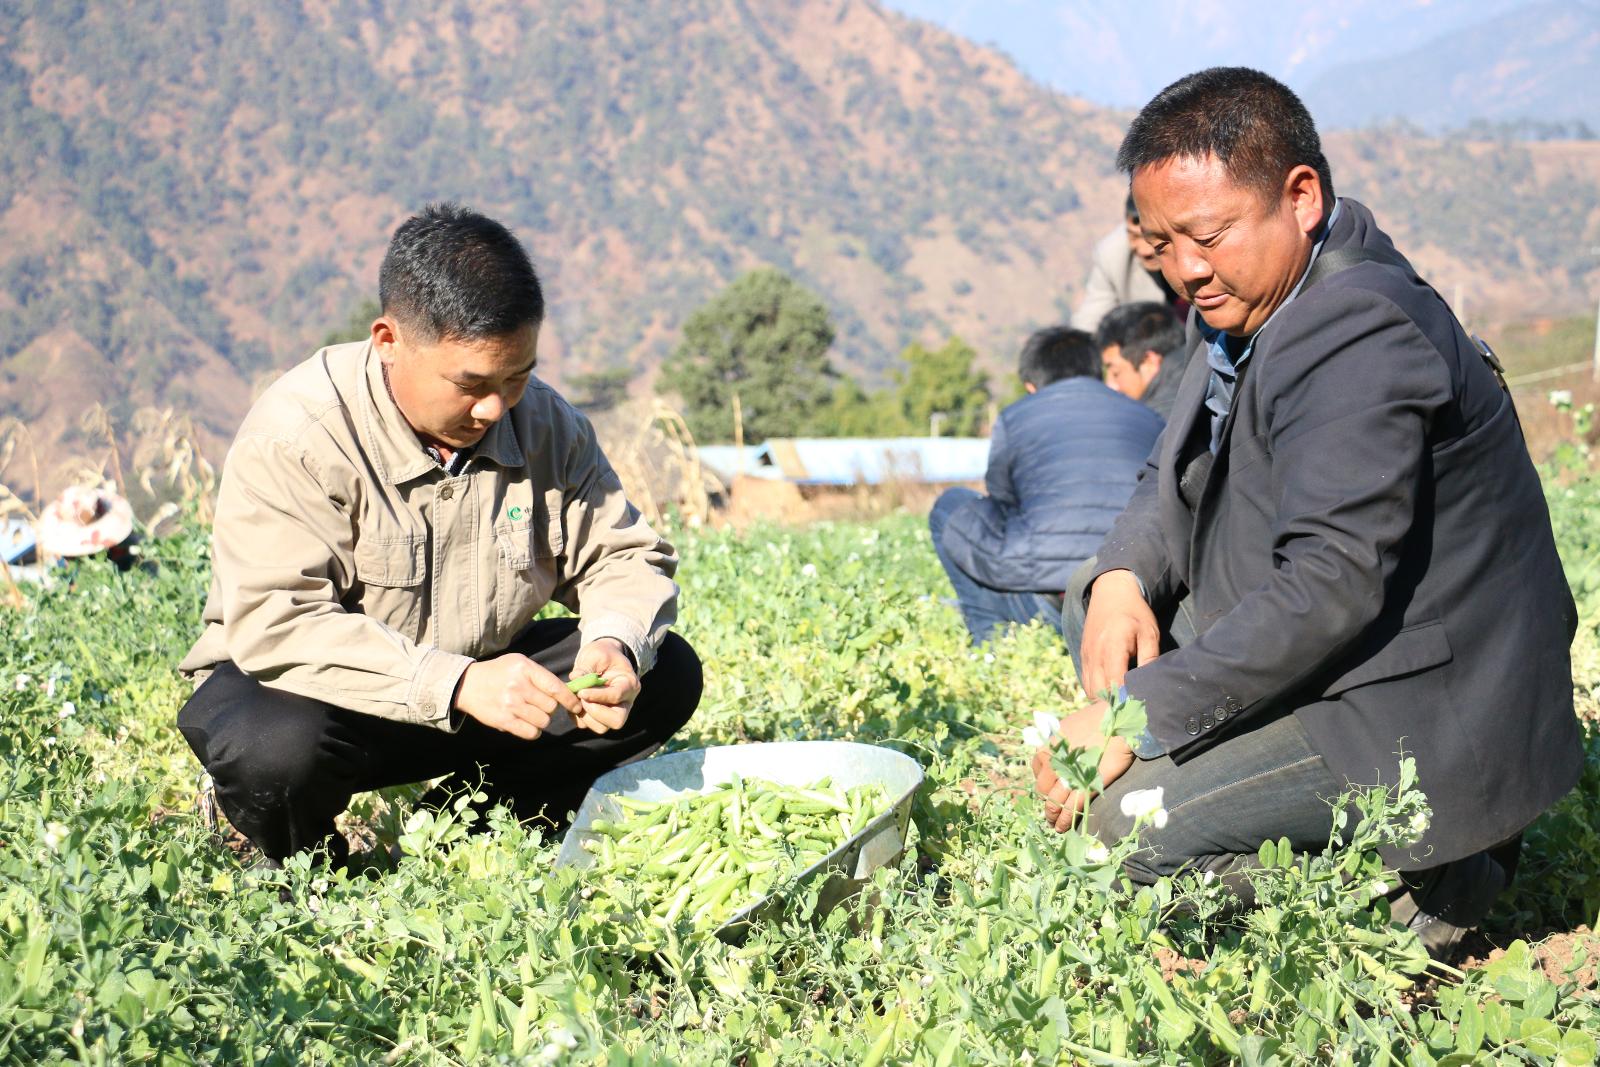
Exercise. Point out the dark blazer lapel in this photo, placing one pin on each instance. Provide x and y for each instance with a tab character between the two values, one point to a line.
1205	508
1176	449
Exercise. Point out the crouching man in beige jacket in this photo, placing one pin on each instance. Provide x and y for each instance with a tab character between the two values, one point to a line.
392	515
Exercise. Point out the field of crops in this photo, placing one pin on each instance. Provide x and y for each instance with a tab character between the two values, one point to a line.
128	934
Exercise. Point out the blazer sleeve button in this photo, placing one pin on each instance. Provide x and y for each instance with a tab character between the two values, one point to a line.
1192	727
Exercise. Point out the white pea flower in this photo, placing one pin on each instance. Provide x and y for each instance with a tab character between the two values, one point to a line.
988	657
563	1037
1045	726
54	834
23	681
1211	876
1146	804
68	710
1097	852
809	570
1378	888
50	742
50	689
1561	398
1419	823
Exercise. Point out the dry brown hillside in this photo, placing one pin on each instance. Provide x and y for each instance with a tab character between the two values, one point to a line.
192	194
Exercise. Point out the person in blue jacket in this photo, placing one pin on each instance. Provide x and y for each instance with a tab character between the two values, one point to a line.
1062	463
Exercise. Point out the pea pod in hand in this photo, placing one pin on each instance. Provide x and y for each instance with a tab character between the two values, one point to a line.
586	681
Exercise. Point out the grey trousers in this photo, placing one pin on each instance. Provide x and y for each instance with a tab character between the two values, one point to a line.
1266	783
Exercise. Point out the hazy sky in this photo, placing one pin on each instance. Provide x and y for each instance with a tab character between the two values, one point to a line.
1121	52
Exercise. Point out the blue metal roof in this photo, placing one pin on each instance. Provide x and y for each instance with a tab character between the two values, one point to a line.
17	541
854	460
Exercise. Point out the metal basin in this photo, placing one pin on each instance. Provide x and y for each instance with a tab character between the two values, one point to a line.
800	763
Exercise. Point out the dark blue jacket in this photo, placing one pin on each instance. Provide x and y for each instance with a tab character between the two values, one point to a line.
1062	463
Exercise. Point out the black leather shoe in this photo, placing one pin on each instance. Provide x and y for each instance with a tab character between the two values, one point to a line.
1442	903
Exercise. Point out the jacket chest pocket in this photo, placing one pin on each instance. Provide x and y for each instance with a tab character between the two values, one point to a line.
528	552
1246	452
391	577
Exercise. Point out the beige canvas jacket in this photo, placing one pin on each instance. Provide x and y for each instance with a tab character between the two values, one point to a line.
349	566
1116	277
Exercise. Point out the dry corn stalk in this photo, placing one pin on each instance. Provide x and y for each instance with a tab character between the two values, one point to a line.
654	454
13	430
96	422
169	448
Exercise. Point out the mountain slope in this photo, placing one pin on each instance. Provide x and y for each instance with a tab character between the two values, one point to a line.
1531	64
1124	53
198	191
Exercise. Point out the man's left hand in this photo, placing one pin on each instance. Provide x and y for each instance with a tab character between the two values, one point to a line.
1081	729
605	707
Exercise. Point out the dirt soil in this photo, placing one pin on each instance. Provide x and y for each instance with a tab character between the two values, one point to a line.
1554	951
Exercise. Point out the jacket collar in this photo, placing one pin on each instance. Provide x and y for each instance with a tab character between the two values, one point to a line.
397	452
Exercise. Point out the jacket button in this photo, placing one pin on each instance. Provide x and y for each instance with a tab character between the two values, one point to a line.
1192	726
427	708
1220	712
446	491
1233	705
1207	722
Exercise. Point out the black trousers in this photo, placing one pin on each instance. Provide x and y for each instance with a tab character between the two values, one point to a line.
285	765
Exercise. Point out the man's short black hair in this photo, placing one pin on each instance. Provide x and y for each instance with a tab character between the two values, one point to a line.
1131	210
1058	352
1255	126
1139	329
451	273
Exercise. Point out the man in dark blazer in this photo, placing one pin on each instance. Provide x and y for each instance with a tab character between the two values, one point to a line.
1063	461
1344	492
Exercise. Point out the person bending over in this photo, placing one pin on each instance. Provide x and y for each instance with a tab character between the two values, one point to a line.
1344	495
1124	270
392	516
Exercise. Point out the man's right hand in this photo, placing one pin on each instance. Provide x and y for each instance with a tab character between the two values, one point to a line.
513	694
1119	630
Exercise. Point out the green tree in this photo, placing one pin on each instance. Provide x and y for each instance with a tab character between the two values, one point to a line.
765	339
941	388
601	390
854	412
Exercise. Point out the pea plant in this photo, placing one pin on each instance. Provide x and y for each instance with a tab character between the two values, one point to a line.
130	934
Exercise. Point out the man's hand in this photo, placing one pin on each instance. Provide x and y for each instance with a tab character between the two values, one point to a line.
605	707
513	694
1081	729
1119	628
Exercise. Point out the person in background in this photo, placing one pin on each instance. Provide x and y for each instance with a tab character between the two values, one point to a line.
1344	494
1062	463
392	516
1142	353
87	521
1124	270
